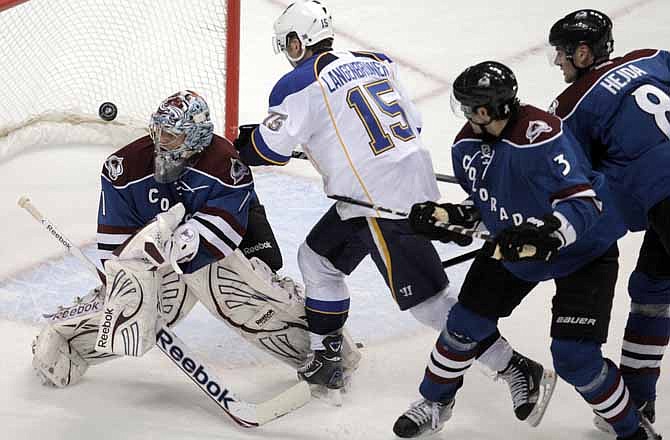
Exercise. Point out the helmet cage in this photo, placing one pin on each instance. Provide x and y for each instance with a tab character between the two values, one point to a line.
184	113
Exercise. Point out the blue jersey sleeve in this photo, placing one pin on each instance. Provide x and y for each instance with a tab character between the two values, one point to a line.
118	220
561	176
221	221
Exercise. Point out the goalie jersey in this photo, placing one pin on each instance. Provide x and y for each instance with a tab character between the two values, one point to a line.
620	112
356	125
216	192
535	168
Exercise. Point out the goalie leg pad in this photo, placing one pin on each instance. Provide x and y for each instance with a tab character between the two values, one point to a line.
130	312
265	309
55	361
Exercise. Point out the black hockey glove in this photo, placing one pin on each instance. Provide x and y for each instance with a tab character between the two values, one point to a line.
422	221
244	137
529	241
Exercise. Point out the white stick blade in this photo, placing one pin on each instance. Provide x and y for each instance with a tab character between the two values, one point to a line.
287	401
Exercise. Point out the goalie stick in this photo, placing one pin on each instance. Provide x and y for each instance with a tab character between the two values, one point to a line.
245	414
297	154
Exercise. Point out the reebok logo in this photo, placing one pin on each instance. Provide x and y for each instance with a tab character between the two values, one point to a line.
265	318
105	328
196	371
59	237
579	320
77	310
257	247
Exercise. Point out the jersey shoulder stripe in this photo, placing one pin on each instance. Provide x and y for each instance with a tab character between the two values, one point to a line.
131	163
568	101
294	81
377	56
322	61
220	161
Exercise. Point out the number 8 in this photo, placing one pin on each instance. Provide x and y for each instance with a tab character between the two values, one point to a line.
658	109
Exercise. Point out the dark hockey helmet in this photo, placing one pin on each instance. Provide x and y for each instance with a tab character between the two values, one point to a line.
489	84
586	26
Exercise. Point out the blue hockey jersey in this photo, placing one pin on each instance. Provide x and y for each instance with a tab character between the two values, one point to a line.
216	192
620	111
535	168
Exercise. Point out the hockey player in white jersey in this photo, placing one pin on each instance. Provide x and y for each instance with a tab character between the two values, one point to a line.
361	131
176	209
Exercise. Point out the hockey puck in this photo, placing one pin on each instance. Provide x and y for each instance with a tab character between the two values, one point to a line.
107	111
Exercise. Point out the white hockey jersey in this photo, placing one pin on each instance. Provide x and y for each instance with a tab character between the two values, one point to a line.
357	126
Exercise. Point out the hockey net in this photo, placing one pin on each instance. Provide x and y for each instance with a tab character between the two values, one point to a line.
61	59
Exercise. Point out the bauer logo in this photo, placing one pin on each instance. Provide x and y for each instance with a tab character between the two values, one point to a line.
577	320
178	353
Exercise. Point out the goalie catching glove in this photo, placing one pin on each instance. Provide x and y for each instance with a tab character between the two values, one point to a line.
531	241
426	219
163	241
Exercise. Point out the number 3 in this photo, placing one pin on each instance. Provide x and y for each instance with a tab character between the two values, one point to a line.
560	159
658	109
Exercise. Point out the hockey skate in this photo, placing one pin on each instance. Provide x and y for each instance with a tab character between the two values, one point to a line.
531	386
323	370
423	418
647	418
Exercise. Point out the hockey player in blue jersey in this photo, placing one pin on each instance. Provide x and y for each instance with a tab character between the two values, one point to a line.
176	208
619	110
552	218
361	131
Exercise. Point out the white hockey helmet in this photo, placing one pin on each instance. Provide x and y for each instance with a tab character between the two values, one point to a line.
311	22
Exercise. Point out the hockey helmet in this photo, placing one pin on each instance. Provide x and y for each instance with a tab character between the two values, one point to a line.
489	84
586	26
184	113
309	20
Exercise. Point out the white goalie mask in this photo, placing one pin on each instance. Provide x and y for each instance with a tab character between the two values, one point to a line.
309	20
182	115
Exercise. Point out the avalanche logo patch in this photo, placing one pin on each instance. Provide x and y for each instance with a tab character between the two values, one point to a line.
114	166
535	129
238	170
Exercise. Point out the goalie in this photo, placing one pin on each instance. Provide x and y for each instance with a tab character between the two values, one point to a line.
176	210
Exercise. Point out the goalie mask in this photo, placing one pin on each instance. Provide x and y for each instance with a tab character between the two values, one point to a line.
309	21
180	128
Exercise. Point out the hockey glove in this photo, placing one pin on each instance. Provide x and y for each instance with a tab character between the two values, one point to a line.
528	241
244	137
182	247
422	221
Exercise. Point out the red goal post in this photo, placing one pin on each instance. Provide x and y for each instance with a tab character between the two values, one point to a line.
61	59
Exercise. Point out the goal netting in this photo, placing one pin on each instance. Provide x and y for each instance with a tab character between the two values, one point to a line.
61	59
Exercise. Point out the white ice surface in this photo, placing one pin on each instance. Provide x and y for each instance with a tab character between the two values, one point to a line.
149	399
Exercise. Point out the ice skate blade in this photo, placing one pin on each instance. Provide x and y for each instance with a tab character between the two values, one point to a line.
650	428
547	386
602	425
331	396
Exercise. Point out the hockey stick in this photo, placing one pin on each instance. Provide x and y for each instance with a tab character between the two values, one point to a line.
296	154
454	228
245	414
526	251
